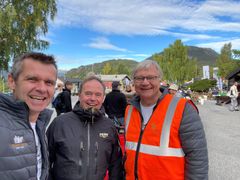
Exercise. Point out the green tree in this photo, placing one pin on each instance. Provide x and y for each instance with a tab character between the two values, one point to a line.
22	23
122	69
225	62
107	69
203	85
236	54
175	63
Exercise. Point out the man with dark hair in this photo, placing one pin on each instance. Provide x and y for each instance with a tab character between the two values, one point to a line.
23	120
83	144
115	104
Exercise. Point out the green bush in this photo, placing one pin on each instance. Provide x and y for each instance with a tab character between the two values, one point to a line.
203	85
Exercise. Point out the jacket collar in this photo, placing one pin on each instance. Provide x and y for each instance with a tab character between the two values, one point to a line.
88	116
19	109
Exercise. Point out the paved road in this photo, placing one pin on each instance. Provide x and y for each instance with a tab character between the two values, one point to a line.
222	129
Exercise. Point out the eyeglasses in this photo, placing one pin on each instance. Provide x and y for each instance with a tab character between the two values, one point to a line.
140	79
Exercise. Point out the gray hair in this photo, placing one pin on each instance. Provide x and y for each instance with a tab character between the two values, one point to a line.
17	67
90	78
147	64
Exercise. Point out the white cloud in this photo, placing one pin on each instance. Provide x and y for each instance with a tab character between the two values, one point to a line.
153	17
67	63
218	45
103	43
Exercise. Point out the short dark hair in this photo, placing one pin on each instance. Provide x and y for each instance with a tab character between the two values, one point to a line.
36	56
90	78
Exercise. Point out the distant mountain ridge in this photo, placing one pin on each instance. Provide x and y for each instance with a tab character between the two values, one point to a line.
204	56
82	71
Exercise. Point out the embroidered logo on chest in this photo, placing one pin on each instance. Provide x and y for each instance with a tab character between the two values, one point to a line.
18	142
103	135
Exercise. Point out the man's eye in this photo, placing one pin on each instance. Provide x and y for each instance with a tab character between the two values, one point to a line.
98	94
139	78
32	79
88	93
50	83
150	77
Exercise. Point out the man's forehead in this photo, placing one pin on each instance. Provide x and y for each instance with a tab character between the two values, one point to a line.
150	70
92	88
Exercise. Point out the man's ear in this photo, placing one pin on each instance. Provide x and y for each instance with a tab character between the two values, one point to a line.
11	82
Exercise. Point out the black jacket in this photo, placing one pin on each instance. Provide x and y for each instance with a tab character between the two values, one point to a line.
84	145
66	102
17	142
115	104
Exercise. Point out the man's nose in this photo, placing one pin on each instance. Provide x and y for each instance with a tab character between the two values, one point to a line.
41	86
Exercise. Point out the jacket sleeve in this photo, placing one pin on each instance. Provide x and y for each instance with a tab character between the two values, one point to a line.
51	149
115	167
194	145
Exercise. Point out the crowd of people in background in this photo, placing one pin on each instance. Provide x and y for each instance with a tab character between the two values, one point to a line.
158	123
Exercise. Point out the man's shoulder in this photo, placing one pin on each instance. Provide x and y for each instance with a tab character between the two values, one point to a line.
12	122
65	119
107	122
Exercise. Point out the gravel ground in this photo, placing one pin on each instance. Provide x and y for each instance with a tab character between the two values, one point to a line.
222	128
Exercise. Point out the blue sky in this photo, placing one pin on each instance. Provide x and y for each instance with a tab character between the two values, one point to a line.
91	31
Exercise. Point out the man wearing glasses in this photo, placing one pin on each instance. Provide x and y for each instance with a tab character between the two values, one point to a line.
165	138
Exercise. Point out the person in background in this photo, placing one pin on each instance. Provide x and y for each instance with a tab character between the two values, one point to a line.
173	89
84	144
129	93
164	134
233	94
66	102
58	90
115	104
238	98
23	120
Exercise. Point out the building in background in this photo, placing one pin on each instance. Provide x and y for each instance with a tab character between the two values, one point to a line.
108	79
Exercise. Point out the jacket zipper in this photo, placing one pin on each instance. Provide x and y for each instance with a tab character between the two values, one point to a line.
139	144
35	146
81	150
137	153
96	154
88	145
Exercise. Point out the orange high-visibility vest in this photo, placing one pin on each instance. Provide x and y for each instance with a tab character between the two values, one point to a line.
155	152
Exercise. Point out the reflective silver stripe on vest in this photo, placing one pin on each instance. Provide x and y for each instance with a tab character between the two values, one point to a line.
168	121
163	149
128	117
155	150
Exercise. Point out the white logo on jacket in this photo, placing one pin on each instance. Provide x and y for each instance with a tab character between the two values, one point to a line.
103	135
18	139
18	142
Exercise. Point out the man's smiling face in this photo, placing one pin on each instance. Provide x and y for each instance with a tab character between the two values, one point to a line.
34	85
